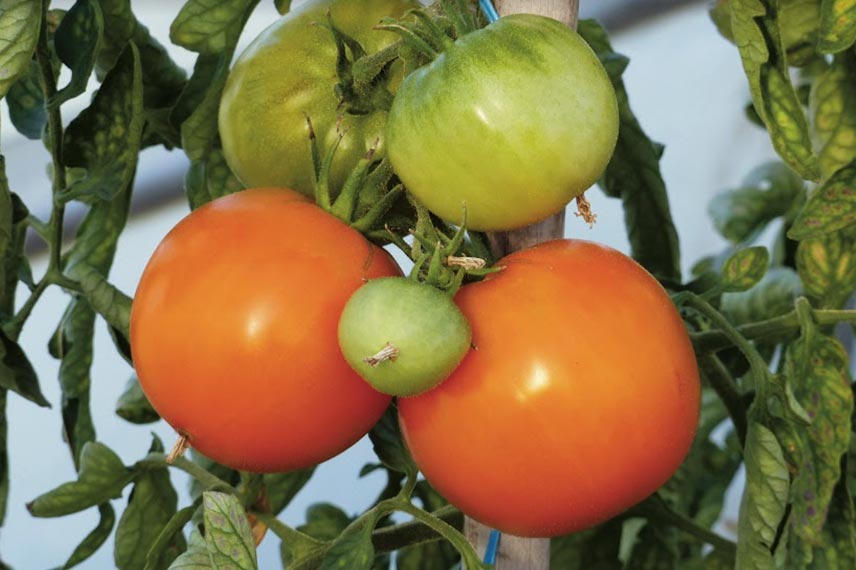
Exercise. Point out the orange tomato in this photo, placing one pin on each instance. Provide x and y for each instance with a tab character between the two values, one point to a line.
580	398
233	331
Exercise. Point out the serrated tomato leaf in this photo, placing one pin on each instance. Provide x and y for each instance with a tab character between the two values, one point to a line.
633	174
827	267
831	207
837	25
353	549
744	268
210	26
103	297
817	368
17	374
764	499
133	406
19	32
151	506
27	103
389	444
95	539
767	193
282	487
170	541
227	533
832	105
196	557
76	42
105	137
757	36
102	477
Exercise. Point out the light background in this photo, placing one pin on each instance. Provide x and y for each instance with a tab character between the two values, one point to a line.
687	88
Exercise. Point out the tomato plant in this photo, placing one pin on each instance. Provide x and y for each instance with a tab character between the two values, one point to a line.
285	264
288	74
402	336
578	396
586	402
464	129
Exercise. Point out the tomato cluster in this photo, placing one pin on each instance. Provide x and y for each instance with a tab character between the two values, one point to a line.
549	396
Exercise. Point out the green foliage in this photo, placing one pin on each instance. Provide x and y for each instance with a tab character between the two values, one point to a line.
634	175
777	395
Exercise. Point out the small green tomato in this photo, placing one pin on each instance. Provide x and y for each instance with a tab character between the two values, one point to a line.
401	336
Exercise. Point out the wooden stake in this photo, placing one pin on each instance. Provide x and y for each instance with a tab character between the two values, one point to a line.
517	553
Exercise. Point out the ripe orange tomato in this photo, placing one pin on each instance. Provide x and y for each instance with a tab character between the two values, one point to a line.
233	331
580	398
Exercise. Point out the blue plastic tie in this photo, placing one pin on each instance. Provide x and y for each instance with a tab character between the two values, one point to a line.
492	547
488	10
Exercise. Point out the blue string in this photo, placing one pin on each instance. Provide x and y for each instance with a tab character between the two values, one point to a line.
489	10
492	546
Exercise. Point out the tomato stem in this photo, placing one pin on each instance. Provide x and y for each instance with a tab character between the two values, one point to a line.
584	210
720	379
388	352
181	446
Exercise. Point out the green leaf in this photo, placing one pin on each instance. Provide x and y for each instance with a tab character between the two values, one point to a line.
772	296
655	548
758	38
210	26
95	539
282	6
767	193
19	31
133	405
827	266
162	78
227	533
831	207
196	557
282	487
832	106
102	477
17	374
764	499
389	445
634	175
27	103
817	369
210	178
353	549
151	506
837	25
104	298
593	549
837	550
744	268
77	41
325	521
105	138
170	540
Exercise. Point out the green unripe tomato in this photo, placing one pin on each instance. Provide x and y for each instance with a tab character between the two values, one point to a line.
288	73
401	336
515	120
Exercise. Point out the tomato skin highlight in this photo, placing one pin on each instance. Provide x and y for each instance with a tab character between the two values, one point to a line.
580	399
233	331
515	120
288	73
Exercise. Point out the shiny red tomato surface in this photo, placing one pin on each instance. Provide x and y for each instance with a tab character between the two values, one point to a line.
579	399
233	331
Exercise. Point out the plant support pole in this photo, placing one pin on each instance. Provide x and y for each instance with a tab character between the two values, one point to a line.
516	553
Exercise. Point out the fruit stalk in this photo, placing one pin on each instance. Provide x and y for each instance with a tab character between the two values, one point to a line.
516	553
